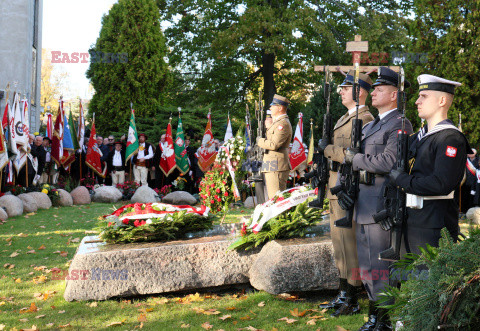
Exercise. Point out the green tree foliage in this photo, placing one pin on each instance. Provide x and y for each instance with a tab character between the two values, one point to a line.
224	52
132	27
449	32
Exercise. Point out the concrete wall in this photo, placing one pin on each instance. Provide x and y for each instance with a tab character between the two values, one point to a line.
17	20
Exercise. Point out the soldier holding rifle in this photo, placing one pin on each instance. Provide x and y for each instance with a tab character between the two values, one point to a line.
437	153
343	239
374	160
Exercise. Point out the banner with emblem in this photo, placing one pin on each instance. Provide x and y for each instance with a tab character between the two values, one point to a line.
206	153
26	123
3	150
297	154
229	132
57	136
132	140
94	154
181	155
167	161
68	148
16	139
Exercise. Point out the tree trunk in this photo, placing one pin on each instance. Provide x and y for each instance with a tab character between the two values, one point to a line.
268	61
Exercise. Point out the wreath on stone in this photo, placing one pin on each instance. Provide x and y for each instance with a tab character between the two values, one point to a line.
152	222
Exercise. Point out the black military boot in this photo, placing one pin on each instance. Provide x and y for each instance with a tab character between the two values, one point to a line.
372	317
383	321
339	299
350	306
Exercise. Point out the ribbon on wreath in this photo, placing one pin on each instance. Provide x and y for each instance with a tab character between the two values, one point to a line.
149	212
236	192
278	204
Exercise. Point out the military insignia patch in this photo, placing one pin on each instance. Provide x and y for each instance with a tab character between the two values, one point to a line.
451	151
280	127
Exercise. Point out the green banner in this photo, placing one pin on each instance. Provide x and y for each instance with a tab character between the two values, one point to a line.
73	132
181	155
132	141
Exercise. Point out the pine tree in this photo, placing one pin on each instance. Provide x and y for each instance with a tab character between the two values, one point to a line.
131	27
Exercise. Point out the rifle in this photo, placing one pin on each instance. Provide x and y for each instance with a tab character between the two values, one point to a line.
350	179
394	214
320	173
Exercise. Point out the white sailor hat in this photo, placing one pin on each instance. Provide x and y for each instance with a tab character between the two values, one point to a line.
434	83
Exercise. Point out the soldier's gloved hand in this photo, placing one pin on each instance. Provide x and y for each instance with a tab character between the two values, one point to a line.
350	154
386	224
344	200
394	174
322	145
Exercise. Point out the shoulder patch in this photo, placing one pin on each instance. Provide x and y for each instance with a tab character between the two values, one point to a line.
280	127
451	151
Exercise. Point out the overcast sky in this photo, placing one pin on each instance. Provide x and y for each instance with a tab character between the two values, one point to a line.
73	26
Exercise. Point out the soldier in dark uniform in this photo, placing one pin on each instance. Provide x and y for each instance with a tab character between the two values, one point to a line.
438	154
376	159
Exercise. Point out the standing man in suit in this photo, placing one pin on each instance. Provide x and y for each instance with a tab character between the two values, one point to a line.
115	164
437	153
376	158
142	160
276	165
343	239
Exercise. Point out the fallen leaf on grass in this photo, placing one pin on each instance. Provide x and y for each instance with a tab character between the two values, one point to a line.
40	316
24	320
63	253
224	317
42	226
41	268
2	327
311	322
38	295
40	279
261	304
31	252
31	214
296	313
75	240
115	323
246	318
49	325
207	326
61	311
142	318
23	235
230	308
288	320
18	280
93	304
41	247
14	254
212	311
64	326
184	326
9	266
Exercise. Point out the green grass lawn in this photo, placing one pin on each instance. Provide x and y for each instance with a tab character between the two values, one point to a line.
31	245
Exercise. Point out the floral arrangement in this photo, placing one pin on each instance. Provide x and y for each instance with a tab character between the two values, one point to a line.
128	189
166	189
152	222
52	193
179	183
88	182
279	218
217	187
15	189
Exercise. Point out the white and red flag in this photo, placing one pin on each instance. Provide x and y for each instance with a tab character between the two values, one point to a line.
206	153
167	161
49	130
297	154
81	127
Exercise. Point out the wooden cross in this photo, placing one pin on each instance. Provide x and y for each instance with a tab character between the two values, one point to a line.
356	47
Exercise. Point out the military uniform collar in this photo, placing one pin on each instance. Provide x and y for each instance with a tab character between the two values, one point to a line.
280	117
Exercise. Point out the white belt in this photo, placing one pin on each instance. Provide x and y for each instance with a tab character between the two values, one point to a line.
416	201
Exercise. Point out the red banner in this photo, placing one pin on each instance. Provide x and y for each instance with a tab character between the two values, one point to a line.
57	137
94	154
207	154
167	161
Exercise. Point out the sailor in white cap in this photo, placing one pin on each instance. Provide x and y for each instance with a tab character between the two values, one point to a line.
438	154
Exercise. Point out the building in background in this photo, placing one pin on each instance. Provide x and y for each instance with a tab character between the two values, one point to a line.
21	52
